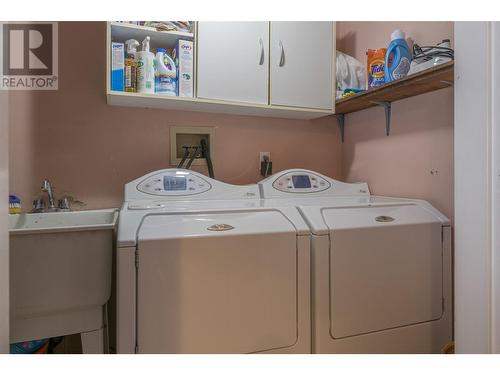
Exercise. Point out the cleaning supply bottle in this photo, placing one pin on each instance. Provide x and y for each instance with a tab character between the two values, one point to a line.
165	74
131	65
14	204
145	69
397	58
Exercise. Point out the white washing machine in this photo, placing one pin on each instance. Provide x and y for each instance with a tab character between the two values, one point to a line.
381	267
202	267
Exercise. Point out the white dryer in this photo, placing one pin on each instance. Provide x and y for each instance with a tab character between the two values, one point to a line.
381	267
202	267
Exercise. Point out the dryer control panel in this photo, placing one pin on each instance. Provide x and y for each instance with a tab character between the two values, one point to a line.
172	183
301	182
293	183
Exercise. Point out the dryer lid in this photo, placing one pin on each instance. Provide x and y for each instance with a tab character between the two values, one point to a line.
376	216
386	268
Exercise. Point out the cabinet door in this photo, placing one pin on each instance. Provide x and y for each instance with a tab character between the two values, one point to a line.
302	64
233	61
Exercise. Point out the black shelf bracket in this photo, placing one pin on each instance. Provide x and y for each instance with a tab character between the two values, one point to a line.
340	122
387	110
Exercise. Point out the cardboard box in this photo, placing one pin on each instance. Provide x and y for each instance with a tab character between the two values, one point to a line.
184	62
117	66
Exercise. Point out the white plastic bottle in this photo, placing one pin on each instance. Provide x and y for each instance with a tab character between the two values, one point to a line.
165	74
145	69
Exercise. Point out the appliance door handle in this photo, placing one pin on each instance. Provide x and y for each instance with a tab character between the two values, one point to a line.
282	55
261	60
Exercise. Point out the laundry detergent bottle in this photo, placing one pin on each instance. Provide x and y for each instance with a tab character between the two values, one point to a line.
397	58
145	69
165	74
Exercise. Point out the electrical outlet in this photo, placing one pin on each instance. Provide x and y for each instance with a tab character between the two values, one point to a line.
264	153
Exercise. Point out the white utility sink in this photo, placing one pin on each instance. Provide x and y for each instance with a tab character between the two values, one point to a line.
62	221
60	274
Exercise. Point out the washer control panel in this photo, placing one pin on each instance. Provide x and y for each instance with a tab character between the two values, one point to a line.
174	183
301	182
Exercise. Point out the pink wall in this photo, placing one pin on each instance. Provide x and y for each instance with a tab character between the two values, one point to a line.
416	160
90	150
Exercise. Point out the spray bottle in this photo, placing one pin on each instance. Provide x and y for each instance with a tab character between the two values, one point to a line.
131	65
145	69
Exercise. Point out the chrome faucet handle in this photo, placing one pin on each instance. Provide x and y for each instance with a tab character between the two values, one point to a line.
64	204
38	205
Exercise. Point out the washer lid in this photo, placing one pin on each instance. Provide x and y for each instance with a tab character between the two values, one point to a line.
217	283
175	225
385	268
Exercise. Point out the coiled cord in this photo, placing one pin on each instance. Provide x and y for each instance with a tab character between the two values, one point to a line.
429	52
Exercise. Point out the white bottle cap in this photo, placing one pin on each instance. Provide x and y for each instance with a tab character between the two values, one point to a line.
132	45
397	34
145	44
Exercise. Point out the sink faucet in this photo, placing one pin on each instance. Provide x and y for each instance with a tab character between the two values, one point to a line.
39	205
46	187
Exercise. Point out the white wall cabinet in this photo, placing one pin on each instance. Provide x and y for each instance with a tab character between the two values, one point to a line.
301	64
272	69
233	61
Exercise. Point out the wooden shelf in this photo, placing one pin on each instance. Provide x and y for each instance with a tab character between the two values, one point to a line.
432	79
428	80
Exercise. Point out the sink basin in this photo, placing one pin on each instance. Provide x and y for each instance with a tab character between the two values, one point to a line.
60	272
62	221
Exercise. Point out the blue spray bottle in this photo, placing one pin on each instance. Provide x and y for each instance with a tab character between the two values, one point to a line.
397	57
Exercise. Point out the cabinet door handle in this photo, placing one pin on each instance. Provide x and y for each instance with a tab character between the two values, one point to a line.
282	55
261	61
